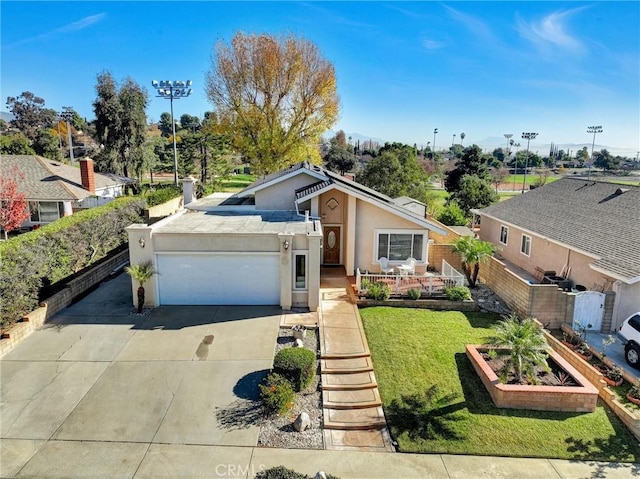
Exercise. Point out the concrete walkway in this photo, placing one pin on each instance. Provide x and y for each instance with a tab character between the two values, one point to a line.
352	410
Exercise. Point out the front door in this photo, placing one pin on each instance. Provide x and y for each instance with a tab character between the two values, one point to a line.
331	245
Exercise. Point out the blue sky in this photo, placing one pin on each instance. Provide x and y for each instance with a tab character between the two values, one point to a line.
402	68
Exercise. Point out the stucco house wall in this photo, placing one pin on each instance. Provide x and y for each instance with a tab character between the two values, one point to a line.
281	196
371	218
545	255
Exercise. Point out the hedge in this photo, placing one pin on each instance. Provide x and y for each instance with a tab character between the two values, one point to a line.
162	194
58	250
297	365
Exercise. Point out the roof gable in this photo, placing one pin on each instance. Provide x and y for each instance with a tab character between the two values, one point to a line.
304	167
49	180
600	219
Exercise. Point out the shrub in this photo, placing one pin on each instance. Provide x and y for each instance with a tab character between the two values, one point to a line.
297	365
414	293
58	250
457	293
379	291
277	394
162	194
452	215
281	472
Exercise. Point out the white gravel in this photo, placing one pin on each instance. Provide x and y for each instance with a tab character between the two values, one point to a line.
278	431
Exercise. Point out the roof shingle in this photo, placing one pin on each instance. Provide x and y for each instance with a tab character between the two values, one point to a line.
601	219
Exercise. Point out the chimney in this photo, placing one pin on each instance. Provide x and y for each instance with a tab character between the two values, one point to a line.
87	176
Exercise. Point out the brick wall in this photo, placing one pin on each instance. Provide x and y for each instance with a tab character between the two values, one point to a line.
582	398
53	304
438	252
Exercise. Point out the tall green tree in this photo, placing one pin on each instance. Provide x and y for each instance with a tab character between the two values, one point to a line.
472	162
30	114
603	159
277	95
340	157
120	124
474	192
395	171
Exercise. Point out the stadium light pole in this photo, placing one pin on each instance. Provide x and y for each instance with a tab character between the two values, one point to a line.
169	90
527	136
508	136
515	159
594	130
435	132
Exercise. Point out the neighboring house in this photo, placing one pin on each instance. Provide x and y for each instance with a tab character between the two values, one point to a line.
585	231
266	244
54	190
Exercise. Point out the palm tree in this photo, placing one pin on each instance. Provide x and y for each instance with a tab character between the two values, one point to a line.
526	345
472	251
141	273
462	135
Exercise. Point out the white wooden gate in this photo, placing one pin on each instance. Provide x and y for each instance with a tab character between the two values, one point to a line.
588	310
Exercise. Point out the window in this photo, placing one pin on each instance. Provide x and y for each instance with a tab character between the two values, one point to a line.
46	211
504	234
300	271
525	246
399	246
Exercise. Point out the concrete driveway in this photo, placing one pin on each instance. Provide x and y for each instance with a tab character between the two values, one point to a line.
614	351
102	392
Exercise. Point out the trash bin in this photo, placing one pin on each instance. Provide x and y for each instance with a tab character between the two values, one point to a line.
579	287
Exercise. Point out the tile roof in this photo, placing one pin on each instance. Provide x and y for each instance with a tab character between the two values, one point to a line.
601	219
50	180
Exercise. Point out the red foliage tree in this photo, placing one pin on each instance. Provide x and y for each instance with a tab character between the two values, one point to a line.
13	203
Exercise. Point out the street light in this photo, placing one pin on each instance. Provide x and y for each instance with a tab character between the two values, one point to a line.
170	90
528	137
435	132
453	142
67	115
594	130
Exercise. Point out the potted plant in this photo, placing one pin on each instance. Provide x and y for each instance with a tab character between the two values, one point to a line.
613	376
571	340
634	395
583	351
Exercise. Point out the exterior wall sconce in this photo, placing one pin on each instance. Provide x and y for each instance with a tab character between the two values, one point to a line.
285	245
141	242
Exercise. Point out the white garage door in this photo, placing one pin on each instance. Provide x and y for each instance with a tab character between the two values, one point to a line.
219	279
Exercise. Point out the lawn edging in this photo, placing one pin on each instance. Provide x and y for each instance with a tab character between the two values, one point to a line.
467	306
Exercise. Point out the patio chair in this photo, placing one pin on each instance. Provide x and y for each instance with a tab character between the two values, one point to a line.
409	266
384	266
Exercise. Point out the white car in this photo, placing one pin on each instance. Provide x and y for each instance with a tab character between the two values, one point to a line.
629	334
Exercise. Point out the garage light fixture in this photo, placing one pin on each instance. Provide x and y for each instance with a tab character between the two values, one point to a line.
141	242
285	245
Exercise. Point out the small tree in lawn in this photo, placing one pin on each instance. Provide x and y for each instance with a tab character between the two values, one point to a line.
13	203
472	251
141	273
526	344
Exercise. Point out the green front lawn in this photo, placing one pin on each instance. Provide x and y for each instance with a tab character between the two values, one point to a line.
237	182
414	350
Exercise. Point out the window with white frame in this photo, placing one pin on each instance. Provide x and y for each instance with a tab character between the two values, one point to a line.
400	245
504	234
46	211
300	271
525	245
